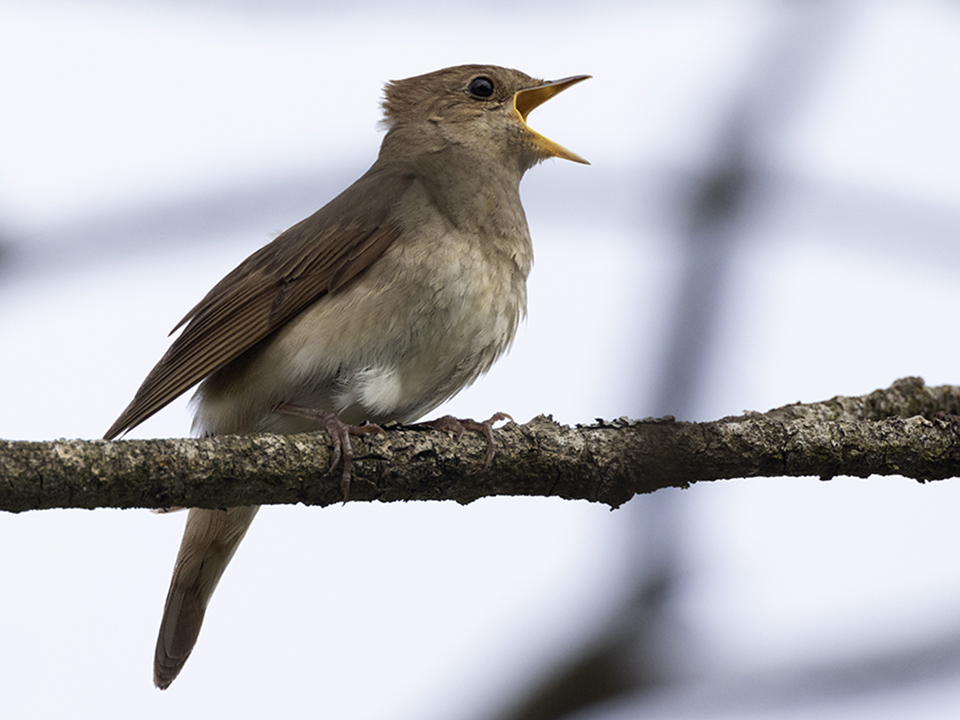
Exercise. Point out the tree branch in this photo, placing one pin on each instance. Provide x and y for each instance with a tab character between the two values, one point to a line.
908	429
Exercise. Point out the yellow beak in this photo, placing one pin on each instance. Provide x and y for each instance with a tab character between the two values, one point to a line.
527	99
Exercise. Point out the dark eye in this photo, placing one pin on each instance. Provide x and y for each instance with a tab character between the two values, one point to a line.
481	87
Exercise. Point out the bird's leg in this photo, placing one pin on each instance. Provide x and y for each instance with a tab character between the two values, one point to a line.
339	432
458	426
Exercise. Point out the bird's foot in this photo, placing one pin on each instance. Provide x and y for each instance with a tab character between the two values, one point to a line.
458	426
339	432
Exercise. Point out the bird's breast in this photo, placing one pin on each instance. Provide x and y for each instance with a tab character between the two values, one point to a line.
435	316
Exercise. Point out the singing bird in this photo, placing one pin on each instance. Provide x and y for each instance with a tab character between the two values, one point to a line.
387	301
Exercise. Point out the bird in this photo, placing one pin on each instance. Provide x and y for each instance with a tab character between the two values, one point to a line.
384	303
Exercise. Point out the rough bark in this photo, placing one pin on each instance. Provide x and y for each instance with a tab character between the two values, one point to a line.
908	429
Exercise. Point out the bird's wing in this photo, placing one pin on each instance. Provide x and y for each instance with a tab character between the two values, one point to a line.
315	257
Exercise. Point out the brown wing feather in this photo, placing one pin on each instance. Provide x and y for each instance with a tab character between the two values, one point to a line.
315	257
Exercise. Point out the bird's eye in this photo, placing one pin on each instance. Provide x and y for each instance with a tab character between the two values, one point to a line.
481	87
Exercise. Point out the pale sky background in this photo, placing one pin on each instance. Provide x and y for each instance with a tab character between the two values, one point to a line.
147	148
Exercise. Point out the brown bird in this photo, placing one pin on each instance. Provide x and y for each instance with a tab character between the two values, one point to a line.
387	301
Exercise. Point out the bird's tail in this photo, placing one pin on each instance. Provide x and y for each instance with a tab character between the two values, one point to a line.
209	541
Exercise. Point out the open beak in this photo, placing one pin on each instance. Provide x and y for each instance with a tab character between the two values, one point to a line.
527	99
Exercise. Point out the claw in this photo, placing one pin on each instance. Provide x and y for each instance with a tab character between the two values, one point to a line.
458	426
339	433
